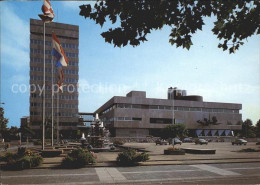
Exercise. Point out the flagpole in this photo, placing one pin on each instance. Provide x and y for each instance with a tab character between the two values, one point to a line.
43	96
58	116
52	94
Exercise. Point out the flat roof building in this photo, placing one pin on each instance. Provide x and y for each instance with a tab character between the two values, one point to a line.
68	35
135	115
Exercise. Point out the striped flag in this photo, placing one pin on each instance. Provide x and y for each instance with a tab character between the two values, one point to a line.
58	52
60	78
47	11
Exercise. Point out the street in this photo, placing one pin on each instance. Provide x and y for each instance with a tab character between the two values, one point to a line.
229	173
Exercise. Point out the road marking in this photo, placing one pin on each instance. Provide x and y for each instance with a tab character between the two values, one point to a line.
212	169
250	168
109	175
115	174
103	175
166	171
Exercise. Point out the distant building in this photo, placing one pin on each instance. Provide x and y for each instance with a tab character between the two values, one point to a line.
138	116
68	35
85	119
25	121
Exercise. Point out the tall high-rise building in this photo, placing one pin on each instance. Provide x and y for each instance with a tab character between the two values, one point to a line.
68	35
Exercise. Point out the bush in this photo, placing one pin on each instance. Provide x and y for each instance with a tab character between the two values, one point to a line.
19	161
174	151
78	158
23	163
131	158
118	142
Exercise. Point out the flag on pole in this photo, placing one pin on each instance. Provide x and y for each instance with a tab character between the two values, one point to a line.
60	78
58	52
62	60
47	11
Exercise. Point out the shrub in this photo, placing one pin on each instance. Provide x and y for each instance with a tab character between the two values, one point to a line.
78	158
36	160
130	158
174	151
23	163
118	142
19	161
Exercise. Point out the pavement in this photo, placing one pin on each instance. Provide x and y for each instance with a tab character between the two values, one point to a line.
227	173
225	153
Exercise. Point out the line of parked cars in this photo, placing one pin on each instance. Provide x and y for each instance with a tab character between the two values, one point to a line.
196	141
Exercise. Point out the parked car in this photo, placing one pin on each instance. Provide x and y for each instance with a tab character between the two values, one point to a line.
177	141
201	141
160	142
187	140
239	142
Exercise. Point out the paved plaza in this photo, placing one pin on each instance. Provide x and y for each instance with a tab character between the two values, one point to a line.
236	173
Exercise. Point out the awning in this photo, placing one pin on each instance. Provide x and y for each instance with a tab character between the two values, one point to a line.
227	132
213	132
198	132
220	132
206	132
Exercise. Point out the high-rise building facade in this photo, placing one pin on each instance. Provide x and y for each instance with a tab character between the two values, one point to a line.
68	35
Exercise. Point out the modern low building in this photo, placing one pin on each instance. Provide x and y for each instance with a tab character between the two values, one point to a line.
135	115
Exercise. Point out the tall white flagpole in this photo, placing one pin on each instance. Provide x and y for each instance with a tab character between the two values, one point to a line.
43	95
52	94
58	116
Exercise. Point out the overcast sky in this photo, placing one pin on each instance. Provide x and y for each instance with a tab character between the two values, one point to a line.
153	66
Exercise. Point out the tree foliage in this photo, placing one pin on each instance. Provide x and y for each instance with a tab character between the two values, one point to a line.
248	129
3	122
208	121
258	128
172	131
235	20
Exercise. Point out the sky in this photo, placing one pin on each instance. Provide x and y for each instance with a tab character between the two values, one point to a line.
106	71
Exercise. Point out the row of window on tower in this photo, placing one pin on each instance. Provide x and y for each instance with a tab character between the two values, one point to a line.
61	114
48	78
48	105
48	61
49	43
48	52
61	96
49	70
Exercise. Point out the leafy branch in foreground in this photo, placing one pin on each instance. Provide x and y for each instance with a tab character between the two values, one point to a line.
235	20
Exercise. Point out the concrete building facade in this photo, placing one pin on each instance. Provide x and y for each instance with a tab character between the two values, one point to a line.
135	115
68	35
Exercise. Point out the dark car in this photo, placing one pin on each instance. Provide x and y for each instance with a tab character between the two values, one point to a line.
187	140
239	142
201	141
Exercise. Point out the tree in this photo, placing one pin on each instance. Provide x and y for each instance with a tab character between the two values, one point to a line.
258	128
248	129
26	132
3	122
207	122
235	20
172	131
